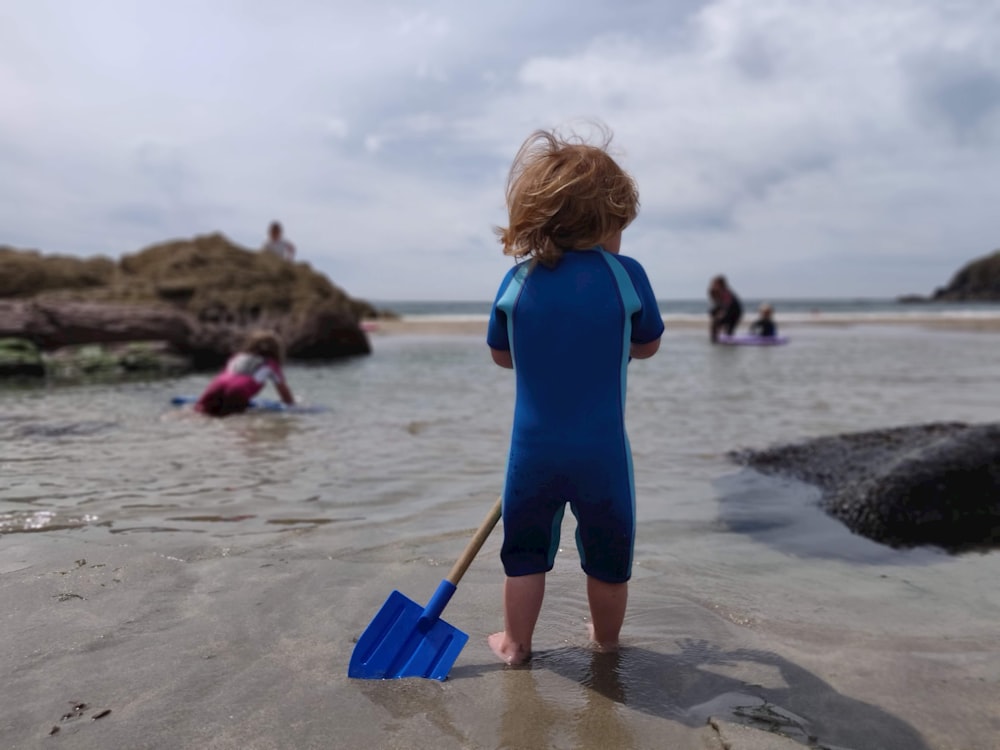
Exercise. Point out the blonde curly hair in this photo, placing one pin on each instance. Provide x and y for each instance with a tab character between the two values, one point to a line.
564	194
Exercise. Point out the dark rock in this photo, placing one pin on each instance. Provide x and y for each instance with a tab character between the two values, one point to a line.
200	296
935	484
313	336
977	281
52	323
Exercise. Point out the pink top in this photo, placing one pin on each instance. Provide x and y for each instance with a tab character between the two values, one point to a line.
246	374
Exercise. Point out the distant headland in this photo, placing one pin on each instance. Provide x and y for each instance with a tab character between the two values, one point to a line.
976	281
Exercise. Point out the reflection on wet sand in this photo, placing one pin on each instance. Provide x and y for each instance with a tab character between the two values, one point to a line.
583	715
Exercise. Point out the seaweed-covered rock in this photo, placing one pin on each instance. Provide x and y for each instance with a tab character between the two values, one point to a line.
201	296
102	362
20	358
935	484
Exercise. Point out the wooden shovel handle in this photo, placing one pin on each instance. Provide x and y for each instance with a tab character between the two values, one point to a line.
463	562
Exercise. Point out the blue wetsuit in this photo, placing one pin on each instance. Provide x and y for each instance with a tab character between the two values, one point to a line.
569	329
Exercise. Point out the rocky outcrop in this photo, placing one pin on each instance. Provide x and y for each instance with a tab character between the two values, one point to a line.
25	273
199	296
935	484
978	281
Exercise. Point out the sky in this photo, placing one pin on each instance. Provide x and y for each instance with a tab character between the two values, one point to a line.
804	148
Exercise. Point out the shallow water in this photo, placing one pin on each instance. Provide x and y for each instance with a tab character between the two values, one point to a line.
743	591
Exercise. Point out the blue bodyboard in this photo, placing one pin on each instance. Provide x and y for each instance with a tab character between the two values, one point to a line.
257	404
750	340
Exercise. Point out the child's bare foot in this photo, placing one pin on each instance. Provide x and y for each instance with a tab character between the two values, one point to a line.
603	646
509	652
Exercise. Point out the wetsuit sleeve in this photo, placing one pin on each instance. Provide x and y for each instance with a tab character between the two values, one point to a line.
647	323
496	331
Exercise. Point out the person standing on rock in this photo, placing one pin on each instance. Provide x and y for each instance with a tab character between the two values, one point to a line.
277	244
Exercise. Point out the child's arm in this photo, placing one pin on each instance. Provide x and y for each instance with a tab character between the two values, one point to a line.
644	351
285	392
503	357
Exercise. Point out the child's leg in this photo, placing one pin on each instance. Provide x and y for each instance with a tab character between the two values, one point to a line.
607	611
522	601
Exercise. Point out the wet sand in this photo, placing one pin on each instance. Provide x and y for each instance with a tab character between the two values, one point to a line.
444	326
109	645
177	642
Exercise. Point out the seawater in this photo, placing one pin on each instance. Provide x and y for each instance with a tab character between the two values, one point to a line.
425	420
409	454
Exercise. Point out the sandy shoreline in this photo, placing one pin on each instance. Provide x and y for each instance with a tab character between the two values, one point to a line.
440	326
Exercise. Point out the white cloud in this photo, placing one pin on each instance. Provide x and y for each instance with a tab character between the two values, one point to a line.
336	127
825	148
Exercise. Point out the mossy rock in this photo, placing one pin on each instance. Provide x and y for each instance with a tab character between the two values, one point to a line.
19	358
110	362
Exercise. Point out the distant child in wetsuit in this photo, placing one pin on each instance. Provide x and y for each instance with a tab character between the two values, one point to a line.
764	325
726	309
567	318
245	374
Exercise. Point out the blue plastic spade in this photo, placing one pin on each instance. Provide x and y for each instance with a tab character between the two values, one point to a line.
407	640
